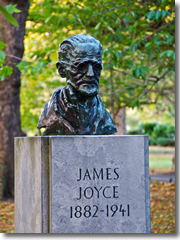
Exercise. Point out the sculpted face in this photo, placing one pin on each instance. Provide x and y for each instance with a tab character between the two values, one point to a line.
84	69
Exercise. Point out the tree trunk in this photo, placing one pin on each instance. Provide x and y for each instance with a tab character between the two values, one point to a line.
10	123
120	121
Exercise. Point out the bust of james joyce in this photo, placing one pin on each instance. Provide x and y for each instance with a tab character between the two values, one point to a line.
77	109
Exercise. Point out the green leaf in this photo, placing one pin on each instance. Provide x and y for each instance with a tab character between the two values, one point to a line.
106	52
174	55
156	37
121	30
106	66
144	69
163	13
109	27
170	39
158	42
2	44
97	26
151	15
118	54
119	37
134	104
168	13
2	56
23	66
148	44
137	72
134	47
110	38
5	71
169	53
158	15
12	8
8	16
163	53
160	69
48	20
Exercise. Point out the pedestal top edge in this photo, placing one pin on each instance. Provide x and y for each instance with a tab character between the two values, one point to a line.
86	136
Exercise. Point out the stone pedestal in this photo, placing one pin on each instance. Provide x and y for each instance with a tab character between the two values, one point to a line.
82	184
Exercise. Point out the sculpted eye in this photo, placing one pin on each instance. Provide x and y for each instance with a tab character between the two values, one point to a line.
97	68
82	68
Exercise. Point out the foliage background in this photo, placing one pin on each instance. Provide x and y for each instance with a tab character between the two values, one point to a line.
138	38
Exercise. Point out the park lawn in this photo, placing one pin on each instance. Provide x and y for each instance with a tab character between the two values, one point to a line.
160	161
161	149
160	158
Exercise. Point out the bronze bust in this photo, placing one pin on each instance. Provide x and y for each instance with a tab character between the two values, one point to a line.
77	109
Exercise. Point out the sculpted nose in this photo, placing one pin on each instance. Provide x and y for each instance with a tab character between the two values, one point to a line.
90	72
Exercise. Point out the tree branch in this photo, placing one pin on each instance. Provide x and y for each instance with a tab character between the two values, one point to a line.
112	9
149	36
119	90
157	80
142	86
121	71
14	57
159	29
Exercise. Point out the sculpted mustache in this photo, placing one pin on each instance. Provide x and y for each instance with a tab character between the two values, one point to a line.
87	81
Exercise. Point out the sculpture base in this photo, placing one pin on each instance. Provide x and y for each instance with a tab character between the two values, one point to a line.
82	184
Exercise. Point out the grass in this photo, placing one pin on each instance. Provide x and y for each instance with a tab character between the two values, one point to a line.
160	158
160	161
160	150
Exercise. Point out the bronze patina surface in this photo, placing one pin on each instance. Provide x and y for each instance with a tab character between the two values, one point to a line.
77	109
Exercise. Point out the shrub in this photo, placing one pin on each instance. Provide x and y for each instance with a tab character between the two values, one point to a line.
159	134
135	132
160	130
153	141
171	131
162	141
147	128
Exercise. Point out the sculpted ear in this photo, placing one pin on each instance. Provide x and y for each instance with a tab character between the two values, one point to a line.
61	69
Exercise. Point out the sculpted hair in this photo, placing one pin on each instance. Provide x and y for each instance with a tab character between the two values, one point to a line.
66	48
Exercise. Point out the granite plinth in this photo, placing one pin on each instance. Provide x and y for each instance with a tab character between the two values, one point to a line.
82	184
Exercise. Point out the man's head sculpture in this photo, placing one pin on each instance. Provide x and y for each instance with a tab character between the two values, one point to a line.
77	109
80	61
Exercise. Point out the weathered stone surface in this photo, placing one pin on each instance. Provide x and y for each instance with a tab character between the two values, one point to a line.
95	184
31	184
